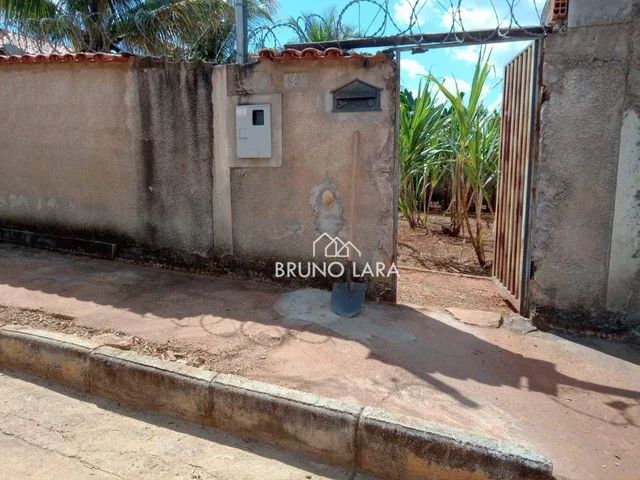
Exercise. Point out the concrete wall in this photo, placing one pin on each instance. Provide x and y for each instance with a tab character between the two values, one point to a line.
61	167
586	227
278	212
115	151
172	103
142	153
583	13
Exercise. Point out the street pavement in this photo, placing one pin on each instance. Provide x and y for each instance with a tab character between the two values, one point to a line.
51	432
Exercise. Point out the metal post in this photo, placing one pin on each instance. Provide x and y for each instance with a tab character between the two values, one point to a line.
430	40
241	31
396	173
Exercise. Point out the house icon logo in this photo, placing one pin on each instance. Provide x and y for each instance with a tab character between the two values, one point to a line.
334	247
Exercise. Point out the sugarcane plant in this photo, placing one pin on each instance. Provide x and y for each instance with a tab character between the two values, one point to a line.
423	152
453	146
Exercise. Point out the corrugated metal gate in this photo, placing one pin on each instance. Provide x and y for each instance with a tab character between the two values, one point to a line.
517	149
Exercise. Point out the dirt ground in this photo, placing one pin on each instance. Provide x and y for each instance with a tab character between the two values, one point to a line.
173	352
438	270
432	249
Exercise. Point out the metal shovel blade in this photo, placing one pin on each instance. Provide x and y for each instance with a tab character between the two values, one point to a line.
347	298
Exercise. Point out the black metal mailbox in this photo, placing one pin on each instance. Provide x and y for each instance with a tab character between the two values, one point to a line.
356	96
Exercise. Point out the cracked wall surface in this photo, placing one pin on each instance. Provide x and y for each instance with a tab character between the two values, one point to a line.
590	83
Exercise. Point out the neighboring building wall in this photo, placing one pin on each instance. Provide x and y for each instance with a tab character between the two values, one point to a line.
142	153
586	226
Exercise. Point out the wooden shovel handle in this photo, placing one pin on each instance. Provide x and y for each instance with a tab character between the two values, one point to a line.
352	201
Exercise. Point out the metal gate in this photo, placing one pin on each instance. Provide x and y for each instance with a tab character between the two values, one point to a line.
517	149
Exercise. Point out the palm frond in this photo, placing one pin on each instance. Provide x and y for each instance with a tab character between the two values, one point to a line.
12	10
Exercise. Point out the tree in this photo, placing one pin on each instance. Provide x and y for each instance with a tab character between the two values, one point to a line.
175	28
312	27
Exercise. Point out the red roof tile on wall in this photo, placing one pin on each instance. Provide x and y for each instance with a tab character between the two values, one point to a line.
286	55
64	58
290	54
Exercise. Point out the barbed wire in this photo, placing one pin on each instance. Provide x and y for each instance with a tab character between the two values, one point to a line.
386	23
212	36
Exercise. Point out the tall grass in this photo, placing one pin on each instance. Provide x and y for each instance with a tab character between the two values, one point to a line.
451	146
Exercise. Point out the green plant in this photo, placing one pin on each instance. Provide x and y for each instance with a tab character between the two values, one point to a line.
174	28
476	143
452	146
423	153
312	27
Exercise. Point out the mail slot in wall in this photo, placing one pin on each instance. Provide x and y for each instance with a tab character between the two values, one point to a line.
253	131
356	96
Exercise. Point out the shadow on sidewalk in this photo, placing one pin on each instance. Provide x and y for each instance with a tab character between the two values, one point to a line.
395	335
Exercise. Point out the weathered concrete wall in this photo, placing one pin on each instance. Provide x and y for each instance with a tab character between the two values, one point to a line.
66	148
278	212
583	13
142	153
585	223
175	142
118	151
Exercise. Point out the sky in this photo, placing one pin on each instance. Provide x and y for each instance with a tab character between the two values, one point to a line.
435	16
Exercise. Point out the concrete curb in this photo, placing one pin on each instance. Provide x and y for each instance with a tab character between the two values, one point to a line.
403	447
369	439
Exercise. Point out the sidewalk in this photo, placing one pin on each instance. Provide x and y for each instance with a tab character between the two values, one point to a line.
576	401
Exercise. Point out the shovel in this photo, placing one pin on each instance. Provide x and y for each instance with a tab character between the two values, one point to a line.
347	297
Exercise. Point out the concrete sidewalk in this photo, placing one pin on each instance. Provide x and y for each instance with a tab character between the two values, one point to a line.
575	401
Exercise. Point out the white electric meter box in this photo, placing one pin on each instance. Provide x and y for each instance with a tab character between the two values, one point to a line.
253	131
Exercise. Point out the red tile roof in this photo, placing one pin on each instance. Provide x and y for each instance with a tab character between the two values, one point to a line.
290	54
64	58
285	55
